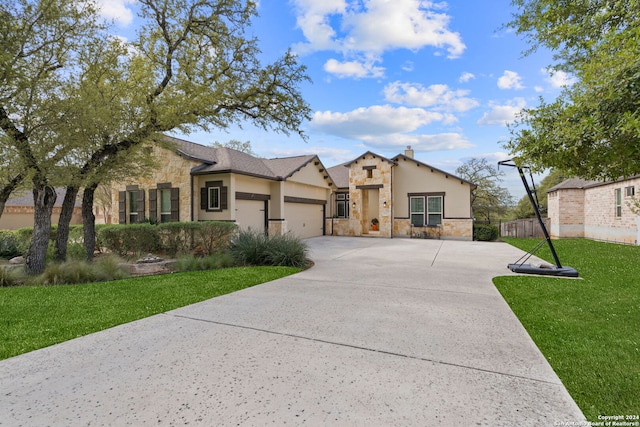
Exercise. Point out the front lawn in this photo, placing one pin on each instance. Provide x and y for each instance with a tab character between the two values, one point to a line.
589	330
36	317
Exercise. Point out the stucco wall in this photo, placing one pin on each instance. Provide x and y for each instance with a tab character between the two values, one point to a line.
14	217
412	177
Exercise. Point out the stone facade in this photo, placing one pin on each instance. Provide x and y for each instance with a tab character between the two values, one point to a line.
175	170
370	195
381	188
566	213
592	212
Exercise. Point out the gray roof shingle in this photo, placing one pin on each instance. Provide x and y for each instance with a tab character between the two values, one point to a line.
223	159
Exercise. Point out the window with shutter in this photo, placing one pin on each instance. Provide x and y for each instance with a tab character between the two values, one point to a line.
213	197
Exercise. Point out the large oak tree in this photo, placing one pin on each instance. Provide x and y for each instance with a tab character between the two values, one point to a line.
592	130
192	66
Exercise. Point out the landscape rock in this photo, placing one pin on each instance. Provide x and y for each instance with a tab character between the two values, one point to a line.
17	260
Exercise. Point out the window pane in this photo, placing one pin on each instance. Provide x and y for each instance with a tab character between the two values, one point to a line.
417	204
133	202
341	210
435	204
417	220
214	198
165	201
435	219
340	196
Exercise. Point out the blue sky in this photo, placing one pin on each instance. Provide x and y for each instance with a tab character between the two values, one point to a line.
442	77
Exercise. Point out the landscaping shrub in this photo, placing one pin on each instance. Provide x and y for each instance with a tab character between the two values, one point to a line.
485	233
172	238
250	248
177	237
9	245
131	239
108	268
74	272
255	248
287	250
11	276
76	251
24	238
215	236
211	262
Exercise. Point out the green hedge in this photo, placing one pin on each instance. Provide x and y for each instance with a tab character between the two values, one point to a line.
485	233
172	238
9	244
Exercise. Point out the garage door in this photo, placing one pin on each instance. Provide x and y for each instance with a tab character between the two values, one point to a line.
304	220
250	214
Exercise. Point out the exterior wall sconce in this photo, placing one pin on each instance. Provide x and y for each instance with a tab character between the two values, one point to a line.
384	204
353	205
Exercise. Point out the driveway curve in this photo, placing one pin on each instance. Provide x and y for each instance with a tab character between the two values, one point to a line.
379	332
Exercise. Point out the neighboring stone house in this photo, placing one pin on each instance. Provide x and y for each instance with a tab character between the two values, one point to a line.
595	210
198	183
405	197
19	209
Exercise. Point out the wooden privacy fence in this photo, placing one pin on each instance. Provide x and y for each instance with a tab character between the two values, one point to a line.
523	228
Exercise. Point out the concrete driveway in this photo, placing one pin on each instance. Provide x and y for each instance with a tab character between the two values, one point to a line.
379	332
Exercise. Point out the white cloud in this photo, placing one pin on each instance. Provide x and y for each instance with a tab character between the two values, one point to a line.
510	80
418	142
558	79
466	76
116	10
375	26
408	66
375	120
502	114
355	69
314	21
439	96
329	156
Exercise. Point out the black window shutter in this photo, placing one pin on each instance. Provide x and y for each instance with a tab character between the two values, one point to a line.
140	196
122	207
204	198
153	204
175	204
223	198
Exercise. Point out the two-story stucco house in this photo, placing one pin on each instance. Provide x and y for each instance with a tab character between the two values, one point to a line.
299	195
595	210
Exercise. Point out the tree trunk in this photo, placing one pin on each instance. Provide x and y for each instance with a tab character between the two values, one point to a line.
62	235
44	197
89	220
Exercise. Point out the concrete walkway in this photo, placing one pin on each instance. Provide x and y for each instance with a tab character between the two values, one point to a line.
380	332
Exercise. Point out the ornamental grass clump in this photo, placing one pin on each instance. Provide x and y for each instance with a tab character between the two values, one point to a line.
256	248
211	262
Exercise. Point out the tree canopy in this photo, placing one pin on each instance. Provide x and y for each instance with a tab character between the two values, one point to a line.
592	130
77	104
524	209
489	200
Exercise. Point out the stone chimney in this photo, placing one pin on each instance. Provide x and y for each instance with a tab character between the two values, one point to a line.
408	152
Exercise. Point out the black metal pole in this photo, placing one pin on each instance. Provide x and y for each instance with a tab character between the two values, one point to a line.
537	212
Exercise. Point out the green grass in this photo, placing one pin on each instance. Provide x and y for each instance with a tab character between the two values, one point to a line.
589	330
33	317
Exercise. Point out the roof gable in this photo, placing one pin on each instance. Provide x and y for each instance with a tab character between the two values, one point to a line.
432	168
